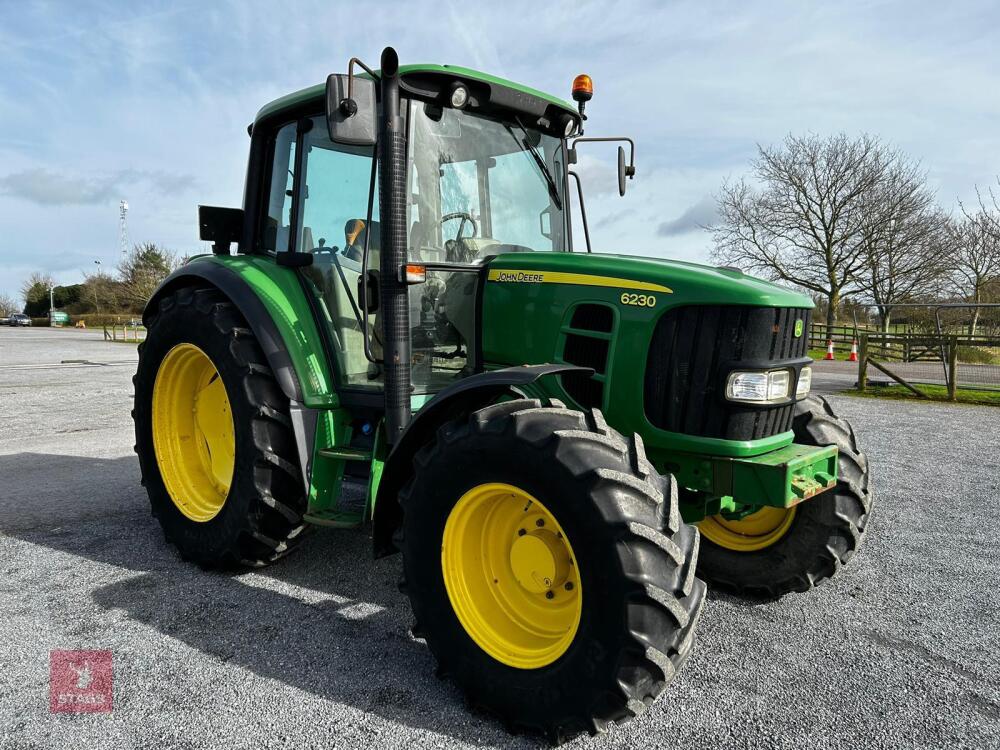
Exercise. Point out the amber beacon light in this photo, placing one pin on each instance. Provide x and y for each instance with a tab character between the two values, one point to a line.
583	92
583	88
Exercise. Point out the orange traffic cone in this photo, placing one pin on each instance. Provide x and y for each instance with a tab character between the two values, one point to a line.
829	349
854	351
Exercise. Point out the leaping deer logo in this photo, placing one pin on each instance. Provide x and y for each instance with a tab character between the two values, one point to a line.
83	675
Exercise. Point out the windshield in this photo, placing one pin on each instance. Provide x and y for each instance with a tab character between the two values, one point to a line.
481	187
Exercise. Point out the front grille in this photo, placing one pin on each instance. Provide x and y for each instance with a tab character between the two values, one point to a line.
693	349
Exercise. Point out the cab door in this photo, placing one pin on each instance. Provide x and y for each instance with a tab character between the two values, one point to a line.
318	205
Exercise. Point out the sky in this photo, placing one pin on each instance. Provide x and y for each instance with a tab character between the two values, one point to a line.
149	102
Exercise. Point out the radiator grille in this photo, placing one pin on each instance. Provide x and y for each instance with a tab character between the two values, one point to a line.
690	354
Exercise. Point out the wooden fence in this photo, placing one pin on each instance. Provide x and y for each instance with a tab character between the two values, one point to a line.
916	361
899	347
124	333
946	347
841	336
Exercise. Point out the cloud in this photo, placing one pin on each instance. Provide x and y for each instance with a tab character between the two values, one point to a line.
51	189
48	188
702	214
614	219
599	177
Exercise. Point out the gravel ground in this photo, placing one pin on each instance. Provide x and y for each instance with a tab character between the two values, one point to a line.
899	651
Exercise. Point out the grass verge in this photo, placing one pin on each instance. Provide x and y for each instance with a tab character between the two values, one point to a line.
934	393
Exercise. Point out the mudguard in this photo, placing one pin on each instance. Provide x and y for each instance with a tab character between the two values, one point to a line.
462	397
243	280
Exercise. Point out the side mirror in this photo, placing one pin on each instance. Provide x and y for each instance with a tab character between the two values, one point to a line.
220	226
350	109
624	170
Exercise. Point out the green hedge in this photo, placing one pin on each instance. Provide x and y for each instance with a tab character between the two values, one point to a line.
979	355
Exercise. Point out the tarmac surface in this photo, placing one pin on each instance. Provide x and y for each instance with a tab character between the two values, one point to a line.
899	650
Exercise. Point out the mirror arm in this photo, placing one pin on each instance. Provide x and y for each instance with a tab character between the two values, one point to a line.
630	169
583	208
348	106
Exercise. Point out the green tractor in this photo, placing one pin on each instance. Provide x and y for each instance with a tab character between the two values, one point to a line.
536	428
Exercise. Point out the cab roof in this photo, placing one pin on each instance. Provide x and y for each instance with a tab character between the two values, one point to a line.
317	92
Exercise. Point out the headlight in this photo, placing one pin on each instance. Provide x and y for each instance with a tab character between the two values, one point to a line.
459	96
759	387
805	382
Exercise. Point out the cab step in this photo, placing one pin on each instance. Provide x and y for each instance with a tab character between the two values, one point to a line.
337	519
345	454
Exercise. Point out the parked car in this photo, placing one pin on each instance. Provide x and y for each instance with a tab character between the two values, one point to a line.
19	319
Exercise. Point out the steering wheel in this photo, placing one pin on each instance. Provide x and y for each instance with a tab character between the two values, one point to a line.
465	217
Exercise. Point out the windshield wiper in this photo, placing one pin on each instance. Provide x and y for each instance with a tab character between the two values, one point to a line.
539	161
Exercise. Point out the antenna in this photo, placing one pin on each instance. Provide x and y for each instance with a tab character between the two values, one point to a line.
123	226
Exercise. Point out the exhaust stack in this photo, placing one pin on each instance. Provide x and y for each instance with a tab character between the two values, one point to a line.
394	300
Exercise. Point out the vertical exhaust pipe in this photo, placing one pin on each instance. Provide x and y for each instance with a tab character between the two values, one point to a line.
393	296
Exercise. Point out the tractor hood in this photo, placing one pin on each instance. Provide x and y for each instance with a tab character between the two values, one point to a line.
641	324
673	282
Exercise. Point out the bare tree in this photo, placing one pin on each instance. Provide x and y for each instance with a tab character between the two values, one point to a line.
804	224
988	214
102	291
142	270
975	256
903	239
8	306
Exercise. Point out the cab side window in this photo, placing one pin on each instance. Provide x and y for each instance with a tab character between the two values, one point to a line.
335	197
278	218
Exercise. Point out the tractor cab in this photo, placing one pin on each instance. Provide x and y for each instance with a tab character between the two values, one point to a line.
483	173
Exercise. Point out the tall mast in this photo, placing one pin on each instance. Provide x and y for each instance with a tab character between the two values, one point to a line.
123	226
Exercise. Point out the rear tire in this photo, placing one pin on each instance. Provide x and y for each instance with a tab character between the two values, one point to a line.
260	518
825	531
635	560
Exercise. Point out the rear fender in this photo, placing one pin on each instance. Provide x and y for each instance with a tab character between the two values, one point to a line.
274	303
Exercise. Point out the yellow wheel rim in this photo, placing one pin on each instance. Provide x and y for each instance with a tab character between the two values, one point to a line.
753	532
193	436
511	576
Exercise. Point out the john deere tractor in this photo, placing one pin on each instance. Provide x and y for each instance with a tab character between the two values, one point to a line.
535	427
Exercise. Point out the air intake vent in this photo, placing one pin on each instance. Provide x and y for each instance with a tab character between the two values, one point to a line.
586	352
593	318
586	343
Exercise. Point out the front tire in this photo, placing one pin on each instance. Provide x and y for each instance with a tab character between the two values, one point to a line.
214	437
776	551
548	568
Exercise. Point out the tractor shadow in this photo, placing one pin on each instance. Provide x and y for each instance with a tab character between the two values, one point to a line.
327	620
